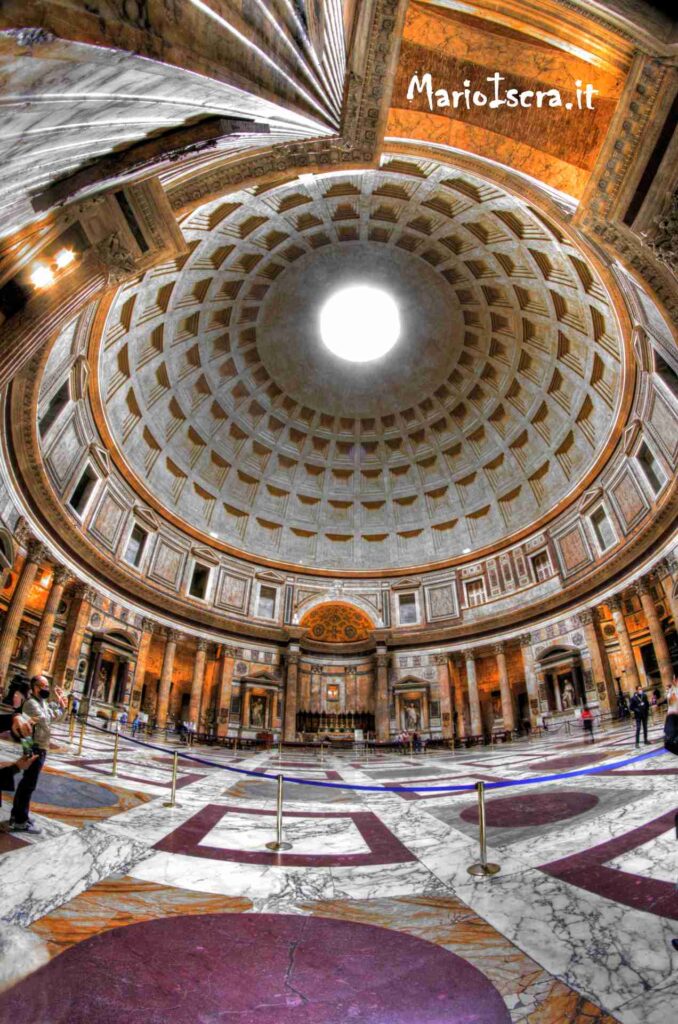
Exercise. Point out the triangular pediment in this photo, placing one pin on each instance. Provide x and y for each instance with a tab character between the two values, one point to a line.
411	583
101	458
589	497
204	554
146	516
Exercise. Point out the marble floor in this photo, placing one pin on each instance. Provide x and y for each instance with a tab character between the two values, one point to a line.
124	907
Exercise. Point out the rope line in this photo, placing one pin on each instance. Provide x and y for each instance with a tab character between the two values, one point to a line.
465	788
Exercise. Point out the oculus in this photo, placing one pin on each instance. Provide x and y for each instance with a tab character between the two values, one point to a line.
360	323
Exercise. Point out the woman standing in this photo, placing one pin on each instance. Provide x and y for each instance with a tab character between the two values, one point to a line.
671	723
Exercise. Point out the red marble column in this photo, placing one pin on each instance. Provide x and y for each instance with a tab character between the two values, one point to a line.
225	669
382	717
291	681
661	647
602	677
197	682
473	695
630	668
134	684
36	553
38	656
442	664
507	712
166	678
70	645
531	681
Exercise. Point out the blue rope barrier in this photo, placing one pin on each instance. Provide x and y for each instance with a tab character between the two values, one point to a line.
465	788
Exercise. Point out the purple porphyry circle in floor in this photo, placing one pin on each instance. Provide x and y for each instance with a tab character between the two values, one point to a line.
258	969
532	808
571	762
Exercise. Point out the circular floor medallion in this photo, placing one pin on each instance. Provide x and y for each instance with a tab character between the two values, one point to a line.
256	969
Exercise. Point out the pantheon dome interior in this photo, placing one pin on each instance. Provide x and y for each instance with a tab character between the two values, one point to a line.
339	400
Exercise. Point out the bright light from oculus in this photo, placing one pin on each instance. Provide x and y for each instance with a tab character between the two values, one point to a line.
360	323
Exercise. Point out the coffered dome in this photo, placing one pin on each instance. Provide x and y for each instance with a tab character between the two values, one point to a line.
223	407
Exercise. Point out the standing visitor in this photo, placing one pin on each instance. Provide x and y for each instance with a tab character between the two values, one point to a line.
40	713
639	706
587	721
18	691
671	723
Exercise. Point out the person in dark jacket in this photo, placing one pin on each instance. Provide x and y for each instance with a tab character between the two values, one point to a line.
639	706
17	692
18	728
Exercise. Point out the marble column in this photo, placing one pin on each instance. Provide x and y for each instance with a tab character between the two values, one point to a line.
291	679
122	682
555	685
36	662
661	647
304	691
134	682
531	682
245	705
382	717
631	677
459	706
602	677
166	679
225	671
442	663
507	713
197	682
36	553
473	695
73	635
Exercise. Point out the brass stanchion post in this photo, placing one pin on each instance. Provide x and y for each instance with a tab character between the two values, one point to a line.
114	770
322	752
411	748
82	735
279	844
482	867
172	802
71	728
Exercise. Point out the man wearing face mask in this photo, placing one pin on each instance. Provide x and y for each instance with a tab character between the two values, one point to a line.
40	713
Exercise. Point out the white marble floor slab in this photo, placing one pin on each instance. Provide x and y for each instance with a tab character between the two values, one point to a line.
243	831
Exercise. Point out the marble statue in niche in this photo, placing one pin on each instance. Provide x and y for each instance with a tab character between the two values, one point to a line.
411	715
257	712
568	694
100	686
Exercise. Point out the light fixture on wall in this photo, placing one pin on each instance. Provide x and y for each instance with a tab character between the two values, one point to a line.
42	276
64	258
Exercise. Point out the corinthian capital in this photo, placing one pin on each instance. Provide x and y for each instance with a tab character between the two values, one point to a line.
37	552
61	576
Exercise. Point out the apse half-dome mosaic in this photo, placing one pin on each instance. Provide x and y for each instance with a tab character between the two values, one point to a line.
337	623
